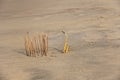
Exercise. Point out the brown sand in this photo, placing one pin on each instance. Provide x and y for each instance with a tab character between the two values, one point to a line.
94	36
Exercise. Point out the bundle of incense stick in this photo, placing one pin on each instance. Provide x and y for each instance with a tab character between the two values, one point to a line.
66	45
36	45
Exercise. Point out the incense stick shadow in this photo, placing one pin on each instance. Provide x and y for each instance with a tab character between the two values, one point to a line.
58	50
20	51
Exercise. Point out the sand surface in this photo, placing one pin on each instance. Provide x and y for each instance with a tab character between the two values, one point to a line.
93	27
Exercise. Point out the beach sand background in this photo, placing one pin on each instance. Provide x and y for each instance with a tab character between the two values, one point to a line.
93	27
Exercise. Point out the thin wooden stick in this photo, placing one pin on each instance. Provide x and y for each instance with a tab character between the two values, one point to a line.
36	45
43	38
32	49
41	43
26	47
46	43
27	43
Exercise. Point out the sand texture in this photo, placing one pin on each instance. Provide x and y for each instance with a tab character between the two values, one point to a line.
93	27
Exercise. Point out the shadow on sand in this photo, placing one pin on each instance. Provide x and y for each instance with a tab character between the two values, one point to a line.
20	51
39	74
2	77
